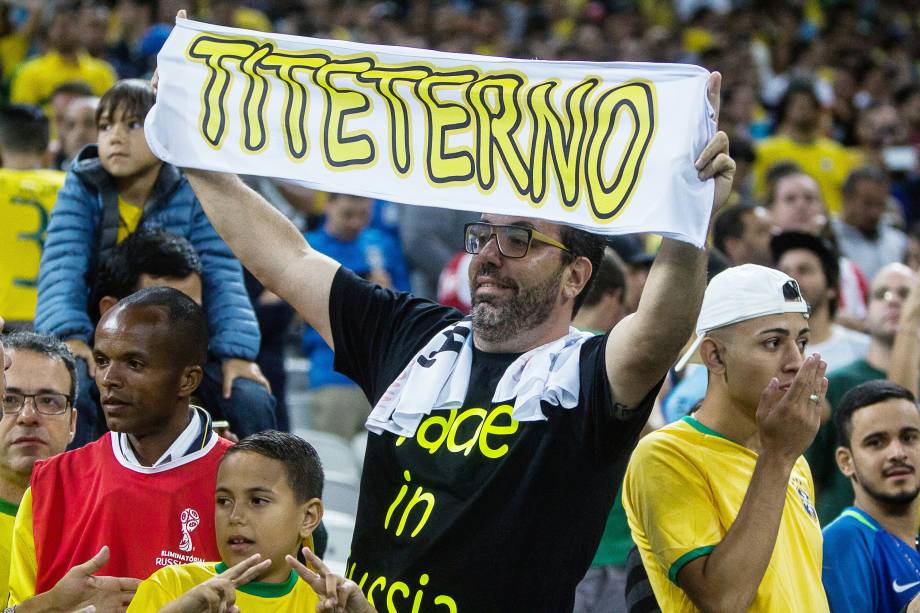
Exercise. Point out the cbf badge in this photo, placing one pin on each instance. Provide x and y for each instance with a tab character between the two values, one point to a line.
806	499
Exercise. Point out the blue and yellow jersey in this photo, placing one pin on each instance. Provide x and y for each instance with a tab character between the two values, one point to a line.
866	567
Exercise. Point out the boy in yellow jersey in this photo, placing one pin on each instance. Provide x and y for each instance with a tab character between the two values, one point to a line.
267	505
721	504
38	422
27	194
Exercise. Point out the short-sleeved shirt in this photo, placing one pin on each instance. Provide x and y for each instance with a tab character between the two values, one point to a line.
467	515
683	490
866	568
26	200
170	582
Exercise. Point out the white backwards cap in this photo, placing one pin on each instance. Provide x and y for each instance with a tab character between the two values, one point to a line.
741	293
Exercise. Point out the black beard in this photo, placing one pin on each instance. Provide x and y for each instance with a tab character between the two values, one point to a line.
895	501
524	310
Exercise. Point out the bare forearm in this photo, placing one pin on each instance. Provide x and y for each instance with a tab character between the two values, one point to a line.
673	294
258	234
728	578
904	368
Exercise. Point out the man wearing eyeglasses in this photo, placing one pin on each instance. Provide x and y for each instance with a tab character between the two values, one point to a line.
494	434
38	422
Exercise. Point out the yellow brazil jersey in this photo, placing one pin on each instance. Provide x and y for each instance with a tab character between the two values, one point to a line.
827	161
129	216
683	489
26	200
37	78
7	516
23	559
170	582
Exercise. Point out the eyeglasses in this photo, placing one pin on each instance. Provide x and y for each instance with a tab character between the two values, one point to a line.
44	403
887	293
513	241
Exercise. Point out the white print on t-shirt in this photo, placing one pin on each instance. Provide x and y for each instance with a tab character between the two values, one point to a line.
190	521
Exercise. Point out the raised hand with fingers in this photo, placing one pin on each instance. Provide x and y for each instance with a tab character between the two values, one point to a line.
788	420
336	594
218	595
80	588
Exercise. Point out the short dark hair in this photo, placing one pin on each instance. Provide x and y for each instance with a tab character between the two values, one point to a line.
797	87
77	89
776	173
610	277
132	96
822	248
730	224
864	395
149	251
187	323
864	173
582	243
24	129
46	345
301	462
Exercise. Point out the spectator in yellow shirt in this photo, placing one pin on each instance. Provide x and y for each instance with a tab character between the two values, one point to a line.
721	503
27	195
65	60
799	140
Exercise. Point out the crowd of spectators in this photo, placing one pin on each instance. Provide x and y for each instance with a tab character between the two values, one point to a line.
820	100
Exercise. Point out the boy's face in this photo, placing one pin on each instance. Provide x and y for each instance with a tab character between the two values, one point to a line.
123	149
256	511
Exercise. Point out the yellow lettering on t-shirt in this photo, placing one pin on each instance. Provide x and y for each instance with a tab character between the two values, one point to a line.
437	432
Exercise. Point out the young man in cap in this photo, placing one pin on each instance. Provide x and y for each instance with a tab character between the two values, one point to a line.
871	561
815	265
720	504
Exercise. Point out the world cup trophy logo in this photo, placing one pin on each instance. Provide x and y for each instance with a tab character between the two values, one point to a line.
190	521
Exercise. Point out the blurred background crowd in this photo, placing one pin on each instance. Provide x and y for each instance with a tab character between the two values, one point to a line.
820	98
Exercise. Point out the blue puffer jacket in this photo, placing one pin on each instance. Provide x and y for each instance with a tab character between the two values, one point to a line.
72	247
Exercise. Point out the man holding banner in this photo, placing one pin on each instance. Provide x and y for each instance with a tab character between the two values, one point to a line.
491	435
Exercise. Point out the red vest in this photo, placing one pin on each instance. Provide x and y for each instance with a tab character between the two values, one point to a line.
84	499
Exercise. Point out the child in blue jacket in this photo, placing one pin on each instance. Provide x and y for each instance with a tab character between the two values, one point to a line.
111	190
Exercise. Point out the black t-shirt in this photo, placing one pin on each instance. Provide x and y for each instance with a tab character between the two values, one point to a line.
477	512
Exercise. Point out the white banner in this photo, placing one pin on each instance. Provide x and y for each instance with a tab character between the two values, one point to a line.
605	146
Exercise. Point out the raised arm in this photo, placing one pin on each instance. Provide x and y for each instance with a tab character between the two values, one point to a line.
268	245
904	368
643	346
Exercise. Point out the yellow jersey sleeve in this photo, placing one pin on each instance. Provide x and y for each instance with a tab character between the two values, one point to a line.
23	561
7	518
158	590
669	506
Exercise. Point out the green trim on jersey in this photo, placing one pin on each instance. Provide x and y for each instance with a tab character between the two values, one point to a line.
704	429
858	517
8	508
688	557
264	589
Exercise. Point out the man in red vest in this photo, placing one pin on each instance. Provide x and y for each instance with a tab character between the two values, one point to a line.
145	489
